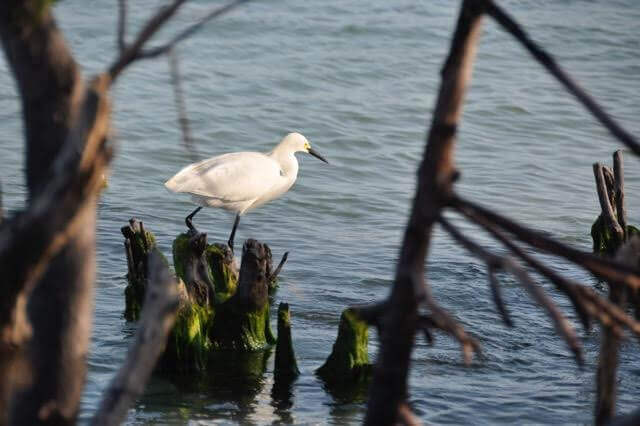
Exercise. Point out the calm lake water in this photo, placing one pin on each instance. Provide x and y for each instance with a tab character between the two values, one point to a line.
359	79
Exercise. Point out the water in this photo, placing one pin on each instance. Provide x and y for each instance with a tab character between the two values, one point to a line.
359	80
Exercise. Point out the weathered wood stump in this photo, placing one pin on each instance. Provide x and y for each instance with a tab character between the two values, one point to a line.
610	229
138	243
242	321
348	363
285	366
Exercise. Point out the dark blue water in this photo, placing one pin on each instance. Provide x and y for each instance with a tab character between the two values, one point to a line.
359	79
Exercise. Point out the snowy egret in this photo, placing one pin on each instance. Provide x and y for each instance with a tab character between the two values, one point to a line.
242	181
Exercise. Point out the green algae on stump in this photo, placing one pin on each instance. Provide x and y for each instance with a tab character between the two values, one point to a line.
285	363
188	346
138	244
242	322
349	359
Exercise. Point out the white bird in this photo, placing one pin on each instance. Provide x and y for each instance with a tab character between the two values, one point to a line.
241	181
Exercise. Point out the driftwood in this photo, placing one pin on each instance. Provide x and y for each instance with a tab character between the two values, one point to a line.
160	306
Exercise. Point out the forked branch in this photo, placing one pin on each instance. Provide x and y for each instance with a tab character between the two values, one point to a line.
563	327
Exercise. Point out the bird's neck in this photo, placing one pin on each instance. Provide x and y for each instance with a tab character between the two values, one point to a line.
288	162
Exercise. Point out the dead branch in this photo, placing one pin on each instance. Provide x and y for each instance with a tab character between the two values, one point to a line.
496	293
607	269
276	272
158	314
30	240
135	50
563	327
436	172
605	204
122	25
544	59
618	171
188	32
587	303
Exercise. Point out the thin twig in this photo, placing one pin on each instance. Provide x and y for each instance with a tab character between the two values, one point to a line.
512	27
131	53
122	25
496	293
188	32
158	313
618	172
563	327
275	273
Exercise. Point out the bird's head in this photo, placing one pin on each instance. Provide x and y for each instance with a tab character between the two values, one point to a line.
295	142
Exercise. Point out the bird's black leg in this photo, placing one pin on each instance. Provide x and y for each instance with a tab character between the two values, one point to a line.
187	220
233	232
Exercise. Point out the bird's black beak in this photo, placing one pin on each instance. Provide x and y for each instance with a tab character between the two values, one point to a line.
318	156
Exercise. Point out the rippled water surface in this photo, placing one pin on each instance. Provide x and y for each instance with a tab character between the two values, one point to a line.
359	79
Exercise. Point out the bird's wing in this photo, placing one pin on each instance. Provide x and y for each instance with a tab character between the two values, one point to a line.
234	177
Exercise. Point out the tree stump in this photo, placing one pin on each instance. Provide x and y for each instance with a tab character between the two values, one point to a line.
348	363
285	366
242	322
138	244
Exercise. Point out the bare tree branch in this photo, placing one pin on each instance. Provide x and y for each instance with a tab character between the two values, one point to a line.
563	327
601	267
30	240
188	32
122	25
496	293
435	175
158	314
512	27
131	53
608	215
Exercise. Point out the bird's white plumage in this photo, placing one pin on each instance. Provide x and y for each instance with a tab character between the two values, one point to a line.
241	181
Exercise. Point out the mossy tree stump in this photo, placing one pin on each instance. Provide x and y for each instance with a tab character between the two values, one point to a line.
138	243
285	366
242	321
348	363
